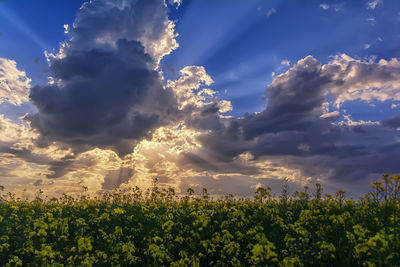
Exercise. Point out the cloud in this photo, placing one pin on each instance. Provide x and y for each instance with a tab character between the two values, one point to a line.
175	2
100	24
324	6
296	132
109	120
336	7
334	115
191	79
66	28
106	99
367	80
373	4
115	178
106	95
367	46
392	122
200	106
106	91
14	84
285	62
372	21
288	108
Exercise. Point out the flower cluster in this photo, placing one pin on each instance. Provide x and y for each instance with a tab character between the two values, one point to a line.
162	229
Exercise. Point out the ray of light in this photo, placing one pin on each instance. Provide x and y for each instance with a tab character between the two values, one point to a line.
24	28
230	22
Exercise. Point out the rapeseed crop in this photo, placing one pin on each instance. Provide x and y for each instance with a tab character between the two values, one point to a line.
162	229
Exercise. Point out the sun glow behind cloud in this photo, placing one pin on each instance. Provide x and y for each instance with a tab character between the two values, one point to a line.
99	127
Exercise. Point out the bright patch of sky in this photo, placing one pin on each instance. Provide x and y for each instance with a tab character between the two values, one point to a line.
294	73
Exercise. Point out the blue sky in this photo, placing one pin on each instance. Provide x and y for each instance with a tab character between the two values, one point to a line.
240	43
243	46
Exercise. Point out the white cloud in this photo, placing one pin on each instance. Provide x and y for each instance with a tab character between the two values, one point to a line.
285	62
14	84
373	4
152	28
334	115
324	6
66	27
366	80
349	122
175	2
372	21
377	40
336	7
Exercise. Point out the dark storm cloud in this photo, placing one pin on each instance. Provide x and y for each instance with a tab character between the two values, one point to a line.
294	101
105	99
25	154
392	122
107	93
293	132
203	118
58	168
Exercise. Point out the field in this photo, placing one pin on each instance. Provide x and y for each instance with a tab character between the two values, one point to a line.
306	228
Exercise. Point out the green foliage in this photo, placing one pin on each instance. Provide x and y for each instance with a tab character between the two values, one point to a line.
158	228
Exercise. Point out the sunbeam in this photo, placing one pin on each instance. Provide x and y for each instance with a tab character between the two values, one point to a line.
23	27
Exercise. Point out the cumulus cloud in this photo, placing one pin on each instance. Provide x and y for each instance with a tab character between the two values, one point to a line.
294	100
106	91
108	121
14	84
200	106
367	80
100	24
107	99
107	96
191	79
295	131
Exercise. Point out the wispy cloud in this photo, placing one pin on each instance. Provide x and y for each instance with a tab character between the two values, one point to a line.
336	7
373	4
324	6
372	21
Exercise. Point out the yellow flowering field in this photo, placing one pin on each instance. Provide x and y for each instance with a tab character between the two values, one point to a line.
162	229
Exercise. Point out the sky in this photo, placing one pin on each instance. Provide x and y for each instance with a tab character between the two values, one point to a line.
224	95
